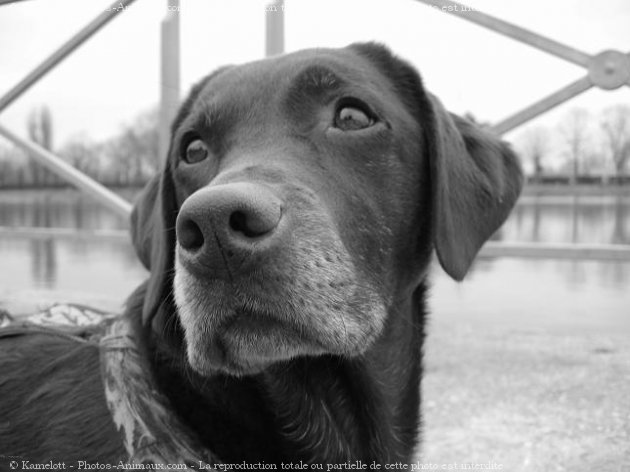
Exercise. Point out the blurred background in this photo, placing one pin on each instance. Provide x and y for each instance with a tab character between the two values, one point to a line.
559	320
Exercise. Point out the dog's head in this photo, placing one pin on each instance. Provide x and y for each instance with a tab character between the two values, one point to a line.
302	197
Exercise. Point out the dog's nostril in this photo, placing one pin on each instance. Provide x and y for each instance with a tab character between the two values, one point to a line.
189	235
250	226
238	221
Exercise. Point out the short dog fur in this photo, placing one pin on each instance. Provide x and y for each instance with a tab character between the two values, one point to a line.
288	238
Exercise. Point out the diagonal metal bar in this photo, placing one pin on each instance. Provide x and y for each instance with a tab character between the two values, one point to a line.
6	2
89	186
61	53
544	105
512	31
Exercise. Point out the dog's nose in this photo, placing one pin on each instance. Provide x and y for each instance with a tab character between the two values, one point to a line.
219	227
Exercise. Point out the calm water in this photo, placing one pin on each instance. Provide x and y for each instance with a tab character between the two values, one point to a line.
547	294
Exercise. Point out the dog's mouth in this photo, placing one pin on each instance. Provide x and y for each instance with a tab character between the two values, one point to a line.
224	335
246	342
242	325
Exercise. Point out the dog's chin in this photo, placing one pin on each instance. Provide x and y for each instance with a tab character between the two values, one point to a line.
209	366
246	344
249	324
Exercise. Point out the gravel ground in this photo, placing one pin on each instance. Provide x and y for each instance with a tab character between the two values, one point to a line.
526	399
493	395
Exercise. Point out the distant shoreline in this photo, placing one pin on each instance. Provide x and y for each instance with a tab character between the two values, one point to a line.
15	193
595	190
530	190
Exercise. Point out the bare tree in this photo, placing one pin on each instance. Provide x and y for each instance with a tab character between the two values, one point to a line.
40	130
134	152
82	153
148	127
593	162
6	174
535	145
575	131
616	127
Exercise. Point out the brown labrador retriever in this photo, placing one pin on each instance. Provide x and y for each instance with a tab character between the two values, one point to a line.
288	238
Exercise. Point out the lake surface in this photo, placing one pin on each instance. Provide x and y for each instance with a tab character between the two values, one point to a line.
548	294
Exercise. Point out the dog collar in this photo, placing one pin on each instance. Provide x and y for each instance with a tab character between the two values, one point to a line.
150	430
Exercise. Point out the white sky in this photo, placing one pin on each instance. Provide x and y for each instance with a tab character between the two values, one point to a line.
115	75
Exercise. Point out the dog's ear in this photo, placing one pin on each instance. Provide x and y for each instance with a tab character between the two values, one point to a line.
153	237
142	221
475	181
475	177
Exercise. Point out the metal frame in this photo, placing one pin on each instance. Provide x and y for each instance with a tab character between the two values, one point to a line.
607	70
54	163
62	52
169	98
274	27
67	172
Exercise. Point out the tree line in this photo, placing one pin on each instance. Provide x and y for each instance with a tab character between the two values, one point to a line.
586	145
129	158
582	146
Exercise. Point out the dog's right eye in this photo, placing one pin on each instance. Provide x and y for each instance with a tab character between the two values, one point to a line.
196	151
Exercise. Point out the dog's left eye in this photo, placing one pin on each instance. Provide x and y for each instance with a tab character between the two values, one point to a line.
196	151
353	116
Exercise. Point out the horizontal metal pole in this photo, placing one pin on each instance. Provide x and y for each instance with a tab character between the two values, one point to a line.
544	105
61	53
68	173
512	31
600	252
39	233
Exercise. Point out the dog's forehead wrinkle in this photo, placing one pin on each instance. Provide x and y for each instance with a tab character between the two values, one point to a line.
223	107
318	68
208	111
318	77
